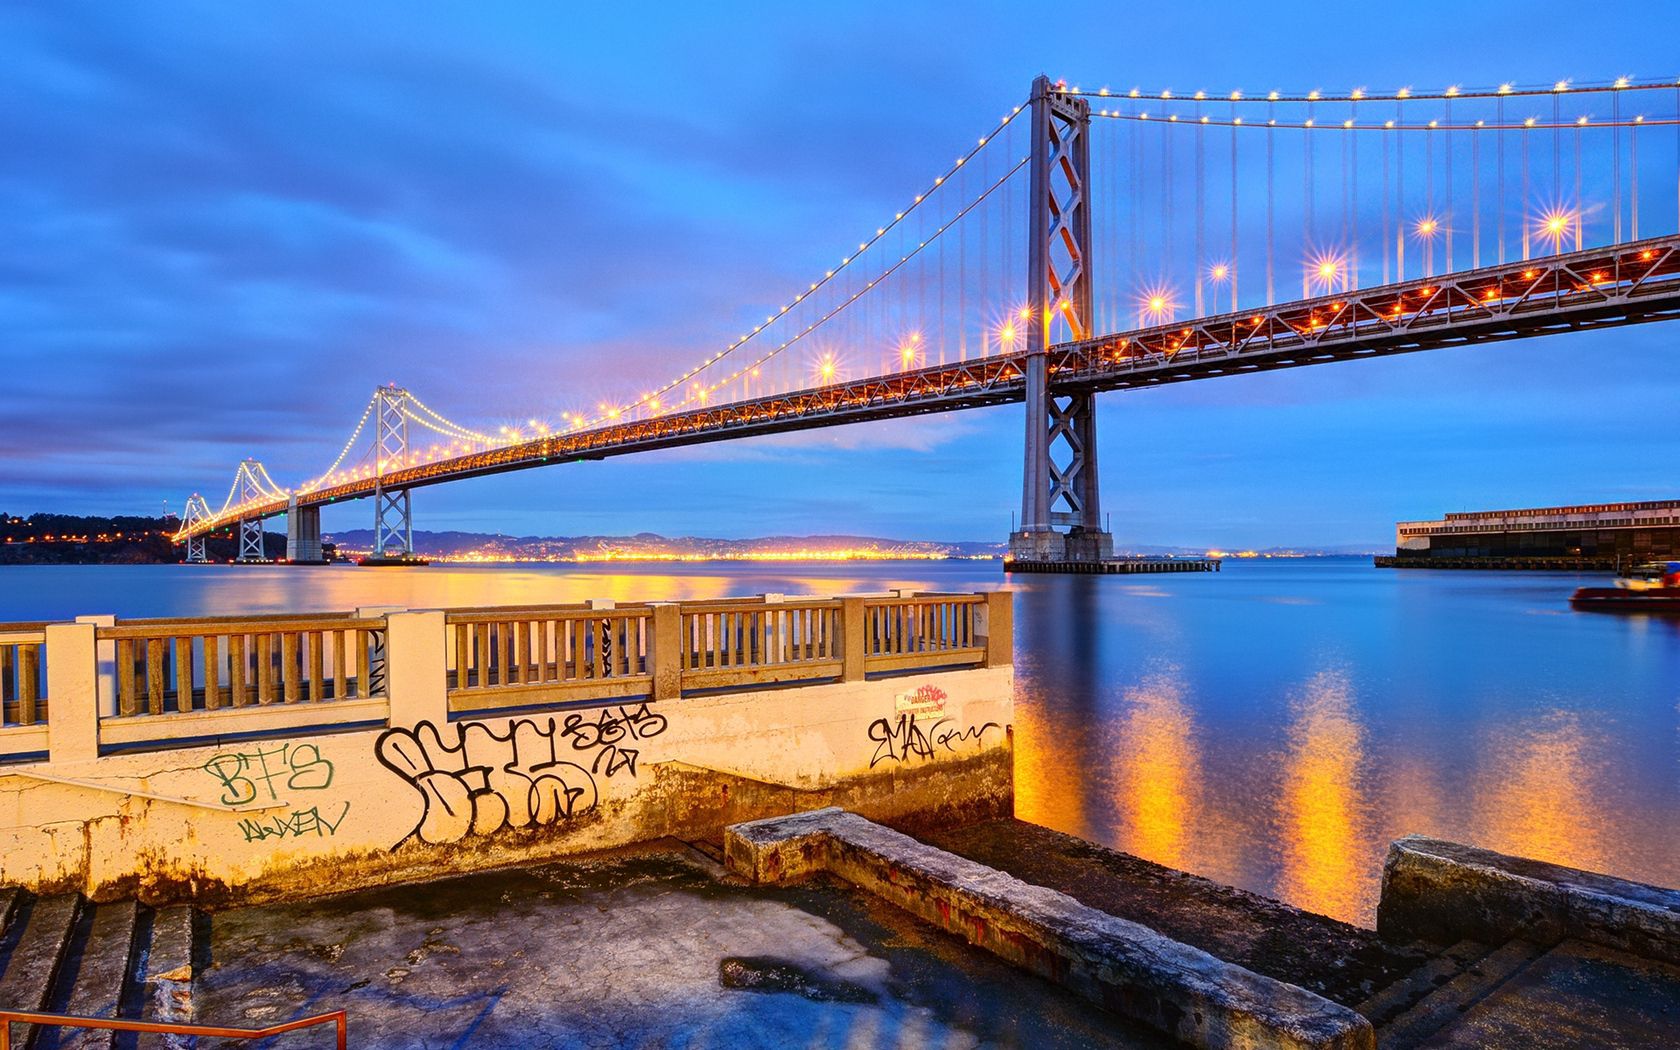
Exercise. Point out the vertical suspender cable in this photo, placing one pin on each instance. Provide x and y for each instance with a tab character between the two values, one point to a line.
1633	175
1167	195
1201	195
1307	209
1523	209
1476	197
1499	175
1399	197
986	241
1271	135
1616	161
1429	200
962	271
1382	249
1352	233
1452	217
1576	212
1231	259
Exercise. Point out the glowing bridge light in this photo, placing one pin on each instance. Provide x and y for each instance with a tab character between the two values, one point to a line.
1219	271
1427	227
1555	226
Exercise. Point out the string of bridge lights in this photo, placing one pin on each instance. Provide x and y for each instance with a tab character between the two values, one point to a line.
652	398
1350	124
1405	94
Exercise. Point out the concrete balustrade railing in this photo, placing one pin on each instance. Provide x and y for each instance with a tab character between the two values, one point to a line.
23	696
147	683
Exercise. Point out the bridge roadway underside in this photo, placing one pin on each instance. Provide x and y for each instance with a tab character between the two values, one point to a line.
1633	283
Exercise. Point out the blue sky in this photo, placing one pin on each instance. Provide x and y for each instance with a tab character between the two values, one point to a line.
221	225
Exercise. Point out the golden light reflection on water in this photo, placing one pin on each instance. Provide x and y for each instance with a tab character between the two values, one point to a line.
1321	808
1535	794
239	589
1158	775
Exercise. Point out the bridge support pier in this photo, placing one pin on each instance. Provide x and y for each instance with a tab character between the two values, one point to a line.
303	534
1059	470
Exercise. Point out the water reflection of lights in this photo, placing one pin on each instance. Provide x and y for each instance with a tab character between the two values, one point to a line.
1321	807
1537	792
1158	775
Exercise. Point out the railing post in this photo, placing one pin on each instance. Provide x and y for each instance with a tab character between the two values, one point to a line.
999	628
416	669
72	693
106	653
852	624
666	657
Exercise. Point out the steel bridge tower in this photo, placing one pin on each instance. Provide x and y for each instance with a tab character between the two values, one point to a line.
1059	486
196	511
393	518
248	489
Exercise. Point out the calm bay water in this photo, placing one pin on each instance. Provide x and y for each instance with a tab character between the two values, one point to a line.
1273	726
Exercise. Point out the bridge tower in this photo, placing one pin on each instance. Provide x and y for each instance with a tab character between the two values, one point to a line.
393	518
196	511
1059	486
249	489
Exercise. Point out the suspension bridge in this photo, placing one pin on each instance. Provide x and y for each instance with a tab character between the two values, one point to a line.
1163	238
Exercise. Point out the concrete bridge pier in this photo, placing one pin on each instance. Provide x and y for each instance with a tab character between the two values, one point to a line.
303	534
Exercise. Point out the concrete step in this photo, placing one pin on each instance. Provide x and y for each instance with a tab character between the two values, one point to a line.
1447	1003
96	985
167	972
1343	963
33	964
1390	1002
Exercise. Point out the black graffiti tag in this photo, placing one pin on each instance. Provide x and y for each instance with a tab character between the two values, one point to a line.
903	738
483	781
607	732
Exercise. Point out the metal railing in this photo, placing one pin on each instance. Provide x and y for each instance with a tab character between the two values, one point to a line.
337	1018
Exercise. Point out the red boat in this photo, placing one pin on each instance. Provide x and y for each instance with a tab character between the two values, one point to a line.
1652	587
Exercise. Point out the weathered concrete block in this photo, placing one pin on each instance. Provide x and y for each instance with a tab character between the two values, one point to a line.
1443	891
1120	965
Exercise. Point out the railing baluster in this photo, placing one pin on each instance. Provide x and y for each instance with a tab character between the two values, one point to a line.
128	702
340	679
289	667
28	685
265	668
154	675
522	632
212	674
238	670
316	663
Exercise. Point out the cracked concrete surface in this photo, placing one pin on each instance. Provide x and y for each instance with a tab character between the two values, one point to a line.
650	948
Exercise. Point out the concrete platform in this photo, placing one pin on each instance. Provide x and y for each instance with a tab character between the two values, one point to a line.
643	948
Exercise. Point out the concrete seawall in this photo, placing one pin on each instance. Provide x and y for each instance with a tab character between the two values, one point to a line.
416	788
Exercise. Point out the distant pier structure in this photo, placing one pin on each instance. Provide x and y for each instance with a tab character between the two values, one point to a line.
1594	536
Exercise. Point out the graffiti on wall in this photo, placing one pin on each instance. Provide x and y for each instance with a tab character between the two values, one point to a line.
262	771
473	780
299	823
918	729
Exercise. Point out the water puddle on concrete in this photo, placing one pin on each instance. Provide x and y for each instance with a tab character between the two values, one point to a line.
651	949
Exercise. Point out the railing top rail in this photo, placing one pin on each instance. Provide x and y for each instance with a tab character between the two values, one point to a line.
143	621
705	608
27	626
921	598
337	1018
236	625
545	612
531	607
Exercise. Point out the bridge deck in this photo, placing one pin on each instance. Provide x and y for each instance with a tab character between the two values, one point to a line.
1625	284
